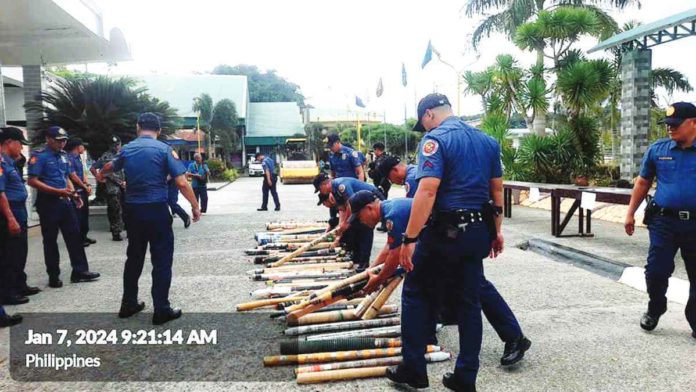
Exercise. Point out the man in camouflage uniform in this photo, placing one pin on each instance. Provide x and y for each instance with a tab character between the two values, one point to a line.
115	187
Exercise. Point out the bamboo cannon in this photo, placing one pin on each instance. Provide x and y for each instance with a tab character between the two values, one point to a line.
243	307
293	347
341	375
383	296
362	307
279	360
337	315
299	267
325	300
437	356
305	248
299	275
342	326
379	332
283	292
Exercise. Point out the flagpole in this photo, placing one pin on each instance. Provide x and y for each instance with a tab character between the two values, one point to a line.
384	120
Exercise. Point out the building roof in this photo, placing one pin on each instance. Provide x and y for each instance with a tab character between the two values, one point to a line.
179	90
645	36
330	115
276	119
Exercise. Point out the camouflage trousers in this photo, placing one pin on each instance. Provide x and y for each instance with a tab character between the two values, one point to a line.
114	211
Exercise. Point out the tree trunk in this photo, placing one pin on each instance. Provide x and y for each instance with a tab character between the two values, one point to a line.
539	125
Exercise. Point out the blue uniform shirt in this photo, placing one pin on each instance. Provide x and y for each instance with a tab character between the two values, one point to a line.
395	214
268	164
202	170
13	185
147	162
410	183
76	163
675	169
344	162
464	159
51	167
343	188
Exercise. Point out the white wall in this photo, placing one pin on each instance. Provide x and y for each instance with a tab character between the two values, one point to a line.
14	104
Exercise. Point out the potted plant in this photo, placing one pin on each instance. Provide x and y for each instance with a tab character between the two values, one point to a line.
581	172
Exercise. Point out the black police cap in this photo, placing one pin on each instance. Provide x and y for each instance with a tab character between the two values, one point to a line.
331	139
115	140
322	198
358	201
430	101
74	142
678	112
12	133
318	180
387	164
378	146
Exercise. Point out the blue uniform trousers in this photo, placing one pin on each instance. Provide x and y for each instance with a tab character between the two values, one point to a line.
14	254
272	188
59	214
201	193
445	268
83	214
149	223
667	235
358	239
174	205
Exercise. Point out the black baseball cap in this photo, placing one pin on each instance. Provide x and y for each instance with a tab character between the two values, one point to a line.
318	180
331	139
74	142
56	132
358	201
387	164
322	198
149	121
430	101
378	146
7	133
678	112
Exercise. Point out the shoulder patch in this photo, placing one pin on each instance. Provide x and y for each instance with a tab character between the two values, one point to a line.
33	159
175	155
407	187
430	147
354	154
342	188
389	224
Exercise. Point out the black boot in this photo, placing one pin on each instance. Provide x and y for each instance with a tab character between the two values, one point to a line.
15	300
400	375
29	290
77	277
514	351
7	320
262	209
159	318
649	322
451	381
128	310
55	283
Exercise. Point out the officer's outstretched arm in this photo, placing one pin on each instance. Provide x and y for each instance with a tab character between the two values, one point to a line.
381	257
496	190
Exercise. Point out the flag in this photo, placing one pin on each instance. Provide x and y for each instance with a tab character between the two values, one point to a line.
359	102
428	55
380	88
404	80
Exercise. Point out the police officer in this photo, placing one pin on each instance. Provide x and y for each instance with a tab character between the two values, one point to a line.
671	216
396	172
345	162
200	173
14	241
146	163
379	180
270	180
75	147
459	171
49	170
173	201
356	237
115	184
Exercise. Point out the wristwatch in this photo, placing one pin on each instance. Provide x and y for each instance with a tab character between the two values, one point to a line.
407	240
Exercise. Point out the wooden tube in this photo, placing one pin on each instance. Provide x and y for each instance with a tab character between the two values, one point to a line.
304	248
383	296
341	375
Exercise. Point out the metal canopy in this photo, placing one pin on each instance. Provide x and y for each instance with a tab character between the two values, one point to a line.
646	36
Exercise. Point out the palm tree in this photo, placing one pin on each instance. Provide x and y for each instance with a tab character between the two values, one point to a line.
508	15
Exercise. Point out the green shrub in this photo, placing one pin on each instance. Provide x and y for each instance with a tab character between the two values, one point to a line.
230	175
217	167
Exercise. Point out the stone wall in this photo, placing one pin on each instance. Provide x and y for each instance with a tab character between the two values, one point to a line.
635	110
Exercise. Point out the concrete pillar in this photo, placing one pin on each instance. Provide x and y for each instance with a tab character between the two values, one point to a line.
32	93
3	119
635	110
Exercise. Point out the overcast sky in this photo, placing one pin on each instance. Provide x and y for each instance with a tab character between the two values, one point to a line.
337	49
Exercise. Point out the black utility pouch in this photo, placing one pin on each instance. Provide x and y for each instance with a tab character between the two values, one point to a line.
489	213
651	210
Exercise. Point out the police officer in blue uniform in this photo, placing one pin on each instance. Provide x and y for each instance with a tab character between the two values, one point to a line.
356	237
199	174
270	180
75	147
49	170
345	162
396	172
14	241
671	215
459	171
147	162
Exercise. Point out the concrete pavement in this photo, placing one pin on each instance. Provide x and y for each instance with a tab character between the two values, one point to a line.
584	327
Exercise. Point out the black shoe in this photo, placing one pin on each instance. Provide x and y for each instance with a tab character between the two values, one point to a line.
55	283
451	381
514	351
648	322
7	320
187	222
77	277
15	300
277	209
116	237
262	209
693	334
85	244
400	375
29	290
128	310
159	318
90	240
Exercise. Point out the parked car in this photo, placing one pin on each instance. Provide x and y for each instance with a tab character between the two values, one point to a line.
254	168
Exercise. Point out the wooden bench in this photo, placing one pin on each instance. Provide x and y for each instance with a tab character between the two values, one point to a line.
560	191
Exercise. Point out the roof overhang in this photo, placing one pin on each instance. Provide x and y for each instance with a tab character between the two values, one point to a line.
675	27
43	32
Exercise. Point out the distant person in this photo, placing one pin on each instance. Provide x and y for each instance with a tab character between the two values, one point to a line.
270	180
75	147
200	173
345	162
115	184
173	201
671	215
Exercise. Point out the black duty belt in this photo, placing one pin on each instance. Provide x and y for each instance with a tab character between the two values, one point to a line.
457	217
684	215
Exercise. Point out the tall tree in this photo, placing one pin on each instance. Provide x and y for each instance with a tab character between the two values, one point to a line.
203	105
266	86
223	126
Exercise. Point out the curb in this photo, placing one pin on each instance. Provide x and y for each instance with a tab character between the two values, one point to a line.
620	272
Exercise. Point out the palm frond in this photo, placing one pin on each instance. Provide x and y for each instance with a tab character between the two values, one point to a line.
669	79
